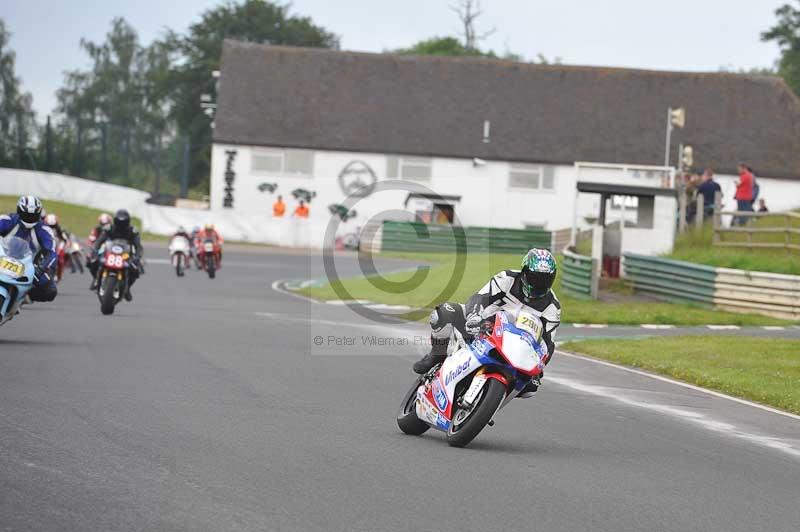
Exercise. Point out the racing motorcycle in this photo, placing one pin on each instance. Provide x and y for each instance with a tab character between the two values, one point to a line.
16	276
113	274
61	258
464	393
74	253
207	253
179	252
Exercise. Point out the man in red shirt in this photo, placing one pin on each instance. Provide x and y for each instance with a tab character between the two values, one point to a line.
744	193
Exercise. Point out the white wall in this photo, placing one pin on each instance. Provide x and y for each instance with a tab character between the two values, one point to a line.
57	187
486	198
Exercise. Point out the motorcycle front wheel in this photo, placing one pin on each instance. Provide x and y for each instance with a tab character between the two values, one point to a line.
179	265
211	266
407	418
468	424
107	300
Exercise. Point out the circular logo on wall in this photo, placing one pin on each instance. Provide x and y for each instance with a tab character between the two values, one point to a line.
357	179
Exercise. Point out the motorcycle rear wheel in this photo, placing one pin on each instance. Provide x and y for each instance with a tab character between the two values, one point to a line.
179	265
460	435
407	418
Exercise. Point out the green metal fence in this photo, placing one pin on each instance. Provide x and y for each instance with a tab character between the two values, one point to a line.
412	236
771	294
578	275
674	280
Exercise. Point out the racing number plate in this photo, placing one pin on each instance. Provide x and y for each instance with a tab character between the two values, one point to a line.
208	246
532	324
14	268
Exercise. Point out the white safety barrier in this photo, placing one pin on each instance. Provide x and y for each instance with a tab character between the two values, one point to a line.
232	225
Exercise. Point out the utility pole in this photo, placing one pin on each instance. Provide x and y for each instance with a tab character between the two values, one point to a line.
675	117
185	169
48	147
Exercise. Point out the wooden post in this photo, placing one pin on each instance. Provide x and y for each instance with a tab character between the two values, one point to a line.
788	236
717	217
699	214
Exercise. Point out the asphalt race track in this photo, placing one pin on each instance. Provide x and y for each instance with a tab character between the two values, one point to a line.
207	405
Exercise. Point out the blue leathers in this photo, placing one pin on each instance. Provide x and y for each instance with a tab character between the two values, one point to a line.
43	247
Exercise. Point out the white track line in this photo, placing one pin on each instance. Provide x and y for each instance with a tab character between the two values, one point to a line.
698	418
278	288
656	326
774	328
723	327
719	395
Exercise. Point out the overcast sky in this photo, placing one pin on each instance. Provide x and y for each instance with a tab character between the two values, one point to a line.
674	35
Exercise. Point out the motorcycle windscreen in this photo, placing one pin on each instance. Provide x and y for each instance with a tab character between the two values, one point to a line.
520	353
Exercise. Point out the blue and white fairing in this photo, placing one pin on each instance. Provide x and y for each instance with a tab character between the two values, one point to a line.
16	275
524	357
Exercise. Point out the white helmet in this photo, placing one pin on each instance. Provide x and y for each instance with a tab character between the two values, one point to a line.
29	209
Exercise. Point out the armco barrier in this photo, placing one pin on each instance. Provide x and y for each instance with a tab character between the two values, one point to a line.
771	294
578	275
413	236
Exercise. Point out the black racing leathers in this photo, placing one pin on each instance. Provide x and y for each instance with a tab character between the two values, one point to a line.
130	235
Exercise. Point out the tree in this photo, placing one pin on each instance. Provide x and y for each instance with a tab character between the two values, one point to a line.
17	119
442	46
253	21
786	32
468	12
114	117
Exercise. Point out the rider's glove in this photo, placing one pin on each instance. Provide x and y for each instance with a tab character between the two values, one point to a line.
41	276
473	324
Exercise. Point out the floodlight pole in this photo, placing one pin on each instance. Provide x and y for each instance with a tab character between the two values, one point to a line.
669	136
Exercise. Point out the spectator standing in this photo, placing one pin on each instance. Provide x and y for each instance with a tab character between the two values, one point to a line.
708	188
278	208
744	193
762	205
302	210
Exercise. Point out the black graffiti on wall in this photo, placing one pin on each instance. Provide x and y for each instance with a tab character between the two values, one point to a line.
230	177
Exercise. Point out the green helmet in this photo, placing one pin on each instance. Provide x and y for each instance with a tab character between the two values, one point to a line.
538	273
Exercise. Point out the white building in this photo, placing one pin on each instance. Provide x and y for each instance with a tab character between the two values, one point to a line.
496	140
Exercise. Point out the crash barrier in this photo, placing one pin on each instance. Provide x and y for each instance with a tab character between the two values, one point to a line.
414	236
770	294
57	187
579	275
246	227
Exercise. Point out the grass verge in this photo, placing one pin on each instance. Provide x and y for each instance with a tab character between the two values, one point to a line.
74	218
481	266
695	246
765	370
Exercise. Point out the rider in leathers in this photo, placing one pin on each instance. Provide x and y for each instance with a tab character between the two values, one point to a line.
27	224
121	229
509	290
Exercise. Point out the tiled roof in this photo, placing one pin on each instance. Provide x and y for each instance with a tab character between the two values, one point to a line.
422	105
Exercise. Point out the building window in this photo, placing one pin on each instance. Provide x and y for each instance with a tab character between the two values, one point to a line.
531	177
410	168
286	162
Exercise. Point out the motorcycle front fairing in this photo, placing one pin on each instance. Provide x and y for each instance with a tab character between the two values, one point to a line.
16	275
521	358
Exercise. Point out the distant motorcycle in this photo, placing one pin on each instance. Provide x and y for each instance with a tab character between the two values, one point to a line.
16	276
207	255
179	252
61	258
113	275
74	254
464	393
